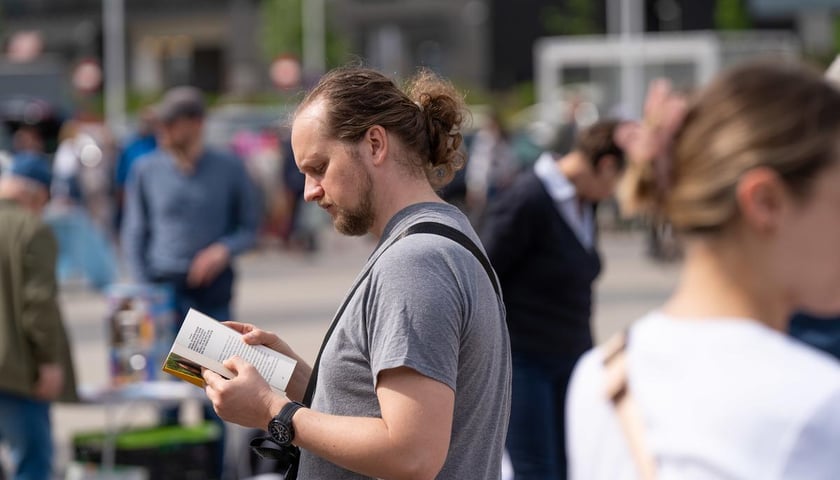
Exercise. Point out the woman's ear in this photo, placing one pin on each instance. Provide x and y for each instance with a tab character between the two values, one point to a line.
761	196
376	143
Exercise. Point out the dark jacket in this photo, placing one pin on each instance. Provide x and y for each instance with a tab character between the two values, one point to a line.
545	272
31	328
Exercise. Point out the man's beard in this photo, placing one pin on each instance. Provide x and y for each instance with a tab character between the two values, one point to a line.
358	221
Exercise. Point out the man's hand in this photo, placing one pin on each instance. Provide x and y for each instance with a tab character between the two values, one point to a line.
50	382
246	399
255	336
207	265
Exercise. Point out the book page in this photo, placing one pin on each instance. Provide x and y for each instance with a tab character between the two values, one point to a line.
207	342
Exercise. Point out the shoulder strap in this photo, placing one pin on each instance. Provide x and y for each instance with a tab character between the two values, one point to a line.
422	227
462	239
629	416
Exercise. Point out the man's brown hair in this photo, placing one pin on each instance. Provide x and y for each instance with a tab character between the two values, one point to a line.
598	141
426	117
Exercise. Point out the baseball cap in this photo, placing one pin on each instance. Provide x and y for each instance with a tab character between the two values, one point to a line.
31	167
180	102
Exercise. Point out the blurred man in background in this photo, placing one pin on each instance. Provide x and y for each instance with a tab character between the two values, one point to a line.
35	363
189	211
541	237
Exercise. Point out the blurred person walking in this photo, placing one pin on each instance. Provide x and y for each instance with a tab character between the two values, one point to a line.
491	167
541	237
29	139
189	211
35	364
85	249
709	385
142	143
417	367
302	221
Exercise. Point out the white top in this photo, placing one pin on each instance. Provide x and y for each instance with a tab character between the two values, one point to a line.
492	162
564	194
720	399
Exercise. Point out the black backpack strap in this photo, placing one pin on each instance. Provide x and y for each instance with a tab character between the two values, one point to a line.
422	227
462	239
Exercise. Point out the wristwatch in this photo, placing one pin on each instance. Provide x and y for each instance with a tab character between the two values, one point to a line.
280	427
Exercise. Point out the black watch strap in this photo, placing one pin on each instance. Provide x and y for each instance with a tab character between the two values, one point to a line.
280	427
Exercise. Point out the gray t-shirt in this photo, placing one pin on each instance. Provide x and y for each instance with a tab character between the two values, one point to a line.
428	305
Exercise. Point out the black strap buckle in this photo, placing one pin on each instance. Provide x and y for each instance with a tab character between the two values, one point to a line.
287	457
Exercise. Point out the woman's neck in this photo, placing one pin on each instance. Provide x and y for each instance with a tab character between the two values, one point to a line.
720	279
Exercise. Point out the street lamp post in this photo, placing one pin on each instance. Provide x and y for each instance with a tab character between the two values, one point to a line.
313	42
626	18
113	20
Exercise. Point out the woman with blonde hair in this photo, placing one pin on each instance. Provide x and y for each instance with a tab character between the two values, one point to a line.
709	385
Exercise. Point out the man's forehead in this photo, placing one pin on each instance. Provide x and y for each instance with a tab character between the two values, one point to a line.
314	112
308	131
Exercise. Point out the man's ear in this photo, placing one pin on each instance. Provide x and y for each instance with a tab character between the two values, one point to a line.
376	143
606	165
761	197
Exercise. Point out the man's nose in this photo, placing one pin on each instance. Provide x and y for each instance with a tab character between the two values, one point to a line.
312	189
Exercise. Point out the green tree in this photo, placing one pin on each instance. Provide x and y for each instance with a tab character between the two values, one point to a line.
281	28
731	15
836	23
576	17
282	31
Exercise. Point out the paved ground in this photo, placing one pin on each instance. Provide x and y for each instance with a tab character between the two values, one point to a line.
296	296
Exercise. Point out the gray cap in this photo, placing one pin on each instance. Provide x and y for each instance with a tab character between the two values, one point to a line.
180	102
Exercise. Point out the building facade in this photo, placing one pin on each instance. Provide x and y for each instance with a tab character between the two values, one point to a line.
167	42
215	44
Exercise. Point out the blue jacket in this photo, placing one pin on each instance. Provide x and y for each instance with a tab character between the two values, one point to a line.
170	216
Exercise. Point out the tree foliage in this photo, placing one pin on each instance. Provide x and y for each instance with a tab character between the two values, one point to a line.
282	32
281	28
731	15
576	17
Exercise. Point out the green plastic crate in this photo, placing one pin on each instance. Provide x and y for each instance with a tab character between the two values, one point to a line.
171	452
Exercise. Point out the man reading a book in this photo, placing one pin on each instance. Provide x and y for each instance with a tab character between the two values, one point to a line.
417	366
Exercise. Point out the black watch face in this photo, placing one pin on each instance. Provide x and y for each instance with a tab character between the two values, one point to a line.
280	433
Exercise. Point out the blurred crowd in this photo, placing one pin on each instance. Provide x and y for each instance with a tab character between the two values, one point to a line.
189	190
91	167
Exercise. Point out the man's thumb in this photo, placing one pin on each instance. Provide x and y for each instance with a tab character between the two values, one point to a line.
235	364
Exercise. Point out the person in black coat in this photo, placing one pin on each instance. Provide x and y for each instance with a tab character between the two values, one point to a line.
541	237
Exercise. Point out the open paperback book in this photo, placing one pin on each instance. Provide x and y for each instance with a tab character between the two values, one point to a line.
204	342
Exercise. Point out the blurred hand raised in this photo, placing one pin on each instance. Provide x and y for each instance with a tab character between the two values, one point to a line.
645	141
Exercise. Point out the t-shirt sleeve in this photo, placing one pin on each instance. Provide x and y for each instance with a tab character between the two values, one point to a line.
415	310
814	455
